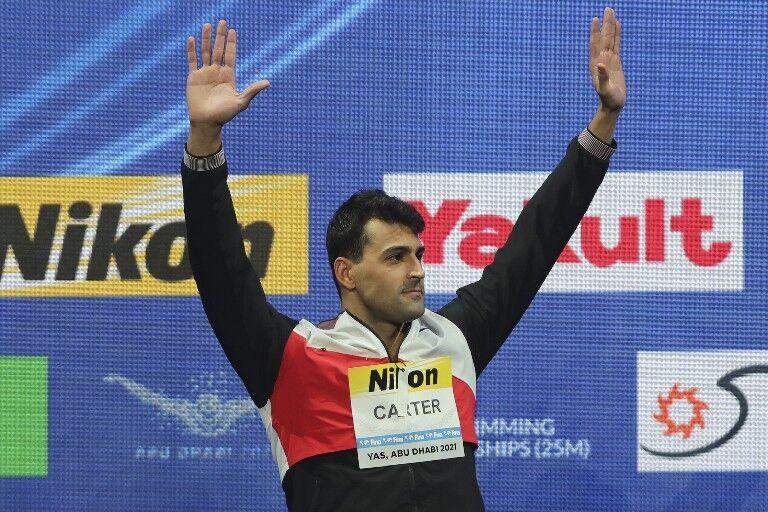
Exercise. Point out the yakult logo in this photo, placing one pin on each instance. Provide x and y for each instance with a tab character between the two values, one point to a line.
643	231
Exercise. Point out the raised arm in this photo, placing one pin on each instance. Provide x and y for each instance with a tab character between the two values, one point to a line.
251	332
486	311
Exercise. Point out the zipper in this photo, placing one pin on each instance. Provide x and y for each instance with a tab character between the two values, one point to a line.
390	357
414	498
413	488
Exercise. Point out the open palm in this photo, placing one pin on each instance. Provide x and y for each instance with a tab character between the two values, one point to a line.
605	61
212	97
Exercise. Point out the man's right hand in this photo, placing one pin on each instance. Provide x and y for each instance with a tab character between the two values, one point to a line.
212	98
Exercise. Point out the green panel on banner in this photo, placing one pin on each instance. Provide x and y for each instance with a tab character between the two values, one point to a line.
23	416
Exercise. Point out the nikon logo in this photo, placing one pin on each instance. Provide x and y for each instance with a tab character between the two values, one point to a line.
126	235
34	253
387	378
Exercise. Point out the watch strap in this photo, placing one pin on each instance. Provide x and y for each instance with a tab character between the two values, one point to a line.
204	163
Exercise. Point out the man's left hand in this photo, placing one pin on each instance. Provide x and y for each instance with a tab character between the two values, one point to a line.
605	62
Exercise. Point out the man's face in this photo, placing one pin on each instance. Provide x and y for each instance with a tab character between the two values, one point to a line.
390	278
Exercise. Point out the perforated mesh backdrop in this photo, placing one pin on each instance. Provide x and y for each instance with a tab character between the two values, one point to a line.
110	376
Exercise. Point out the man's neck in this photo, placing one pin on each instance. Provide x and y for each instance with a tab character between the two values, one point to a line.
391	335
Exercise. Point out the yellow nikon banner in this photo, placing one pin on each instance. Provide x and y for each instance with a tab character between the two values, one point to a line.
125	235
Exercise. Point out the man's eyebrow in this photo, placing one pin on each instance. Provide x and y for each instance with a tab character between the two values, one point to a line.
401	248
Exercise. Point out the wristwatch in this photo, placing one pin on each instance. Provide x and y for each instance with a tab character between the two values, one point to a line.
204	163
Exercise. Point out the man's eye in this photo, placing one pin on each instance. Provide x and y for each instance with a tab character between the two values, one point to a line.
395	257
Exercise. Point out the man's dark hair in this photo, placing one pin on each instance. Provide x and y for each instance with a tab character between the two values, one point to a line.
346	236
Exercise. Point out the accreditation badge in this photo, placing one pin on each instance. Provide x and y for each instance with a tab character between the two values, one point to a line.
405	412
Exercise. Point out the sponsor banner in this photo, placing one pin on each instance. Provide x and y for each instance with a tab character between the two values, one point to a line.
649	231
125	235
23	416
702	411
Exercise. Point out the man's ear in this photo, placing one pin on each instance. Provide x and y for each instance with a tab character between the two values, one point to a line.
343	269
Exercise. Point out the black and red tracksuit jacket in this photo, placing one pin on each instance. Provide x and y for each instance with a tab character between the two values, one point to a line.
296	372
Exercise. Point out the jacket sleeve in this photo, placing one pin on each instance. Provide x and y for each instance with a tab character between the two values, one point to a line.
251	332
486	311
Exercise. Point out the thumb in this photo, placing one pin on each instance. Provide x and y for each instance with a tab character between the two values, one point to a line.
252	90
602	75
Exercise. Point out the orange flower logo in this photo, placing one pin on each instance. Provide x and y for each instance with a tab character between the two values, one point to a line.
689	395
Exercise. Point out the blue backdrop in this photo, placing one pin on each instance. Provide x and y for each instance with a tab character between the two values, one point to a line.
360	90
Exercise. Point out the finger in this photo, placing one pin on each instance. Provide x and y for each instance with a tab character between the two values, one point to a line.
594	39
609	28
191	55
252	90
218	45
617	39
229	56
205	44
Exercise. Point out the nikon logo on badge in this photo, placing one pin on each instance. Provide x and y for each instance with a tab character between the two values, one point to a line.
387	378
409	376
121	235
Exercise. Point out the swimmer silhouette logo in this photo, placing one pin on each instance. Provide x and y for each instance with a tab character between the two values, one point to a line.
702	411
208	415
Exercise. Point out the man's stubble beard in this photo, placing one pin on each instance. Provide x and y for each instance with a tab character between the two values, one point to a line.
399	312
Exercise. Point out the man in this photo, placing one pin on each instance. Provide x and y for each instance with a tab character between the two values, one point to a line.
374	410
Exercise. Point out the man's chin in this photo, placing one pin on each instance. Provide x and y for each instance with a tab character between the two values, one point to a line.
414	310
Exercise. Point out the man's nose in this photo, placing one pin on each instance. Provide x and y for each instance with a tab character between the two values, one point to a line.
418	270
